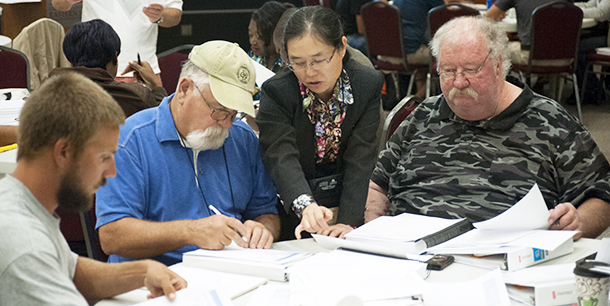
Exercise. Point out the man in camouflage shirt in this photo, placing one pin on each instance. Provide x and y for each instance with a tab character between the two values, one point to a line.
478	148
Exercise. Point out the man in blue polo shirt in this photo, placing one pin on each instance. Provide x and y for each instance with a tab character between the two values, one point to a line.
188	176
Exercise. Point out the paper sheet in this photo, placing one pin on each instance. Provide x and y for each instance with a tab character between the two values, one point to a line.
327	278
404	227
487	290
9	111
603	254
189	297
262	73
227	284
271	295
530	213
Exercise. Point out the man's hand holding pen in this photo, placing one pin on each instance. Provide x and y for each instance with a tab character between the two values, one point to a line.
565	217
250	234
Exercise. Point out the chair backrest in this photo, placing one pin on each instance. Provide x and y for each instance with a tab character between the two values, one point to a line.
441	14
170	63
555	31
15	69
396	116
79	230
383	31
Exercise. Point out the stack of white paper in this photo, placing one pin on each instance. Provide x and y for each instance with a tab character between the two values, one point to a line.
9	111
525	224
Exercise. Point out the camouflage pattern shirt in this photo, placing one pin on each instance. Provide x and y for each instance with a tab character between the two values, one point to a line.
441	165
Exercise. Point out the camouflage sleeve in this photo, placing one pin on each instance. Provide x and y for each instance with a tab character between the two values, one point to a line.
582	170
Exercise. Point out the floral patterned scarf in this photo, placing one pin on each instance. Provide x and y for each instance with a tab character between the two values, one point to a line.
327	117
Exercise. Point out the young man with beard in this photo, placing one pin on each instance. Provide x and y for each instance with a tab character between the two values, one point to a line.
181	161
478	148
67	137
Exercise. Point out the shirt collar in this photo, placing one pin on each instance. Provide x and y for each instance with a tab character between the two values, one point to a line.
166	128
503	121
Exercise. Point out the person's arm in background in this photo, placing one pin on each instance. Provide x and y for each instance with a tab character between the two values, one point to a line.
97	280
495	13
171	16
8	135
598	11
64	5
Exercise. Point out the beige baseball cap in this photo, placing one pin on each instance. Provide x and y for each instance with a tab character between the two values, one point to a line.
231	71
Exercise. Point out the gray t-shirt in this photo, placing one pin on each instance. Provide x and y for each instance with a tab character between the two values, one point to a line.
36	264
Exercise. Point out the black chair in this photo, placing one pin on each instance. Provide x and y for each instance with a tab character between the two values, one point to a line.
396	116
16	69
555	34
384	38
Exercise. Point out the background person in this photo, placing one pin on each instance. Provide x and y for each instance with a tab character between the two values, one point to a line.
93	47
68	134
136	23
317	127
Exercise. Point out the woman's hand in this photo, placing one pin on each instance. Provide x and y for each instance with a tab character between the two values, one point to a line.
314	220
337	230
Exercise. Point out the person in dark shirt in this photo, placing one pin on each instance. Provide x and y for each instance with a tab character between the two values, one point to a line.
93	48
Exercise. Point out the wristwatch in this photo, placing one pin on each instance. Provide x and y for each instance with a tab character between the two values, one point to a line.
299	204
159	21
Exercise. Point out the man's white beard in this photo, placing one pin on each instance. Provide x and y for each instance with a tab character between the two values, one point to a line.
211	138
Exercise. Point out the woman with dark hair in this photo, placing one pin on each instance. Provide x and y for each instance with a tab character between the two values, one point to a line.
260	34
318	122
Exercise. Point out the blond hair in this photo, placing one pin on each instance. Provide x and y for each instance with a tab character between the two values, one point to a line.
69	106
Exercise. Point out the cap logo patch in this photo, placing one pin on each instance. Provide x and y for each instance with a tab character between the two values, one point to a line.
243	75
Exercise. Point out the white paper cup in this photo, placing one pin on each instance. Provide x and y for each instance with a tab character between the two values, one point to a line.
591	287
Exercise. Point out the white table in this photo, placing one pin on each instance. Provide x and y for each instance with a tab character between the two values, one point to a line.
6	41
454	273
509	25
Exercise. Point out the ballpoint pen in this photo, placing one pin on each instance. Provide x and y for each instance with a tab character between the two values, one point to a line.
135	72
217	212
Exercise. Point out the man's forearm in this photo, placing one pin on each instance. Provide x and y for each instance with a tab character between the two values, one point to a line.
96	280
134	238
171	17
594	216
8	135
377	203
272	223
